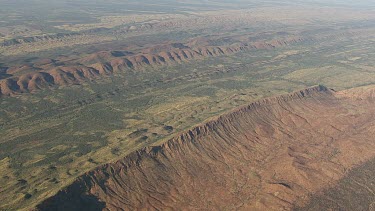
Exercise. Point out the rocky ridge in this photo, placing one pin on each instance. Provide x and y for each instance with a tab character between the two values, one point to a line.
269	155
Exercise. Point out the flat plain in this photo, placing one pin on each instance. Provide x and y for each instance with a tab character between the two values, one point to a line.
87	90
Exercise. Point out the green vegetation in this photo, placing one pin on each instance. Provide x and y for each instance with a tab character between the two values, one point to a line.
50	137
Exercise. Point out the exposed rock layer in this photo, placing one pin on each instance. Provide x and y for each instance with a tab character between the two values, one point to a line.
29	78
269	155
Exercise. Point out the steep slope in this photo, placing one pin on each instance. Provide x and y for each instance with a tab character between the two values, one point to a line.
57	76
29	78
269	155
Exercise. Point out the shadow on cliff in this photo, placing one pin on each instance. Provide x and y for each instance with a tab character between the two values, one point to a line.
74	198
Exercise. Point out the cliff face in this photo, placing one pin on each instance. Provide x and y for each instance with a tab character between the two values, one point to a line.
269	155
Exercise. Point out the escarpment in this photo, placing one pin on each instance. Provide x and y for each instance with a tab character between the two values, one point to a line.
269	155
41	75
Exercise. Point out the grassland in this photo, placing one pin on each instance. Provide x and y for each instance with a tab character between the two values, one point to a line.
23	35
50	137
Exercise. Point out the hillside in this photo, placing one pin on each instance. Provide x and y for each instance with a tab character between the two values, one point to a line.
48	73
187	105
269	155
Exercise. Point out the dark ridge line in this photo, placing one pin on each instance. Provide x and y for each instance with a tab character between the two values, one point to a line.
76	74
135	158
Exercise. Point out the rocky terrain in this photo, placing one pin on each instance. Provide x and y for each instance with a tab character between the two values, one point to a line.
68	70
48	73
269	155
129	104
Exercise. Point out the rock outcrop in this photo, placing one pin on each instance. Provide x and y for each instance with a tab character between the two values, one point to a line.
104	63
269	155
